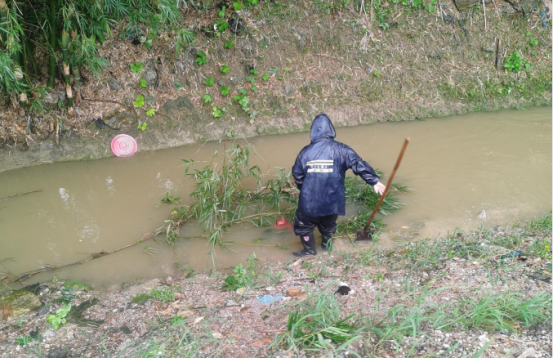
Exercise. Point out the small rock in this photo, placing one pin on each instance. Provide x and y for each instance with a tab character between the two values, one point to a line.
483	339
99	123
61	95
236	23
151	77
230	303
288	90
44	310
58	352
51	98
177	104
120	120
114	84
18	302
529	352
482	215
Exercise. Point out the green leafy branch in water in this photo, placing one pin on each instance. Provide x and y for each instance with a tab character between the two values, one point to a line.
220	200
364	198
170	199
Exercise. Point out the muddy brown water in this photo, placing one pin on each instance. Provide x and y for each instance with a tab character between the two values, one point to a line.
458	166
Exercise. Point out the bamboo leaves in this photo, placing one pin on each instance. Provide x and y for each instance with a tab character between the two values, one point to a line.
70	31
220	200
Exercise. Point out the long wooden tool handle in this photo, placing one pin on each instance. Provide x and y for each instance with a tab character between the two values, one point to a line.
389	183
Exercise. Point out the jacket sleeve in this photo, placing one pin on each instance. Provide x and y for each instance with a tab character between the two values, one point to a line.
298	173
360	167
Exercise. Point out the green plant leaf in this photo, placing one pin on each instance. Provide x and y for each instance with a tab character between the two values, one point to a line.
200	58
224	69
210	81
265	77
217	113
136	67
229	44
221	13
254	88
58	318
225	91
251	79
207	98
221	25
143	83
139	102
150	112
148	44
237	5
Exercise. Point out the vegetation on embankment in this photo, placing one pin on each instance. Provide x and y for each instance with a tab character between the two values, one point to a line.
201	70
485	293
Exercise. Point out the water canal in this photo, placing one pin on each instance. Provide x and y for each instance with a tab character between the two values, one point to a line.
458	167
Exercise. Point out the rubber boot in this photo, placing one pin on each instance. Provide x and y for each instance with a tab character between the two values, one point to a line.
326	242
308	241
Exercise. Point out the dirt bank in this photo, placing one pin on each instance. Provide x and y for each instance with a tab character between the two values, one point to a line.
486	293
293	60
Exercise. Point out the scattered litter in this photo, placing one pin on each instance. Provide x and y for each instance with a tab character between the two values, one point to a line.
269	299
260	343
241	290
343	290
295	263
514	254
282	224
230	303
295	292
124	145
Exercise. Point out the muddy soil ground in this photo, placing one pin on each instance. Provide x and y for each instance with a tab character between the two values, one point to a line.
399	63
485	293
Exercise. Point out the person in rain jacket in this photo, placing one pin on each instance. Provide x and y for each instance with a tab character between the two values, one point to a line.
319	173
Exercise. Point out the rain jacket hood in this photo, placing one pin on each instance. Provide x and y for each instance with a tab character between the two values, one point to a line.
320	169
322	128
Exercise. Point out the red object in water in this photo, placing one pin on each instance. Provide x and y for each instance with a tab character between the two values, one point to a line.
124	145
282	224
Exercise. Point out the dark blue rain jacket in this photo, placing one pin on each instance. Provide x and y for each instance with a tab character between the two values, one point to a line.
320	169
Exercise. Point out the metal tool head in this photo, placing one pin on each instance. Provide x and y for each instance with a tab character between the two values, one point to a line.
365	236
